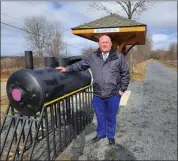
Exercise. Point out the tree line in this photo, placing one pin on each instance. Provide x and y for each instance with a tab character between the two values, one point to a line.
45	38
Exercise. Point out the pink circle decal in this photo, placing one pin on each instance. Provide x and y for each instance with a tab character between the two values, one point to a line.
16	94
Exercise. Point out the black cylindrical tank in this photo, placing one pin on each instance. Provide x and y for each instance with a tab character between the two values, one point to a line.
29	89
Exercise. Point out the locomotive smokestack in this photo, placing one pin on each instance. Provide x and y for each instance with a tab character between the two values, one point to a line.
62	61
50	62
29	59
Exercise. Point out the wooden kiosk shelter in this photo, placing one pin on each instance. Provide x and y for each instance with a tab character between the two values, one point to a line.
121	30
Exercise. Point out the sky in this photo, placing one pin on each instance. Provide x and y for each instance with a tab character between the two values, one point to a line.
160	18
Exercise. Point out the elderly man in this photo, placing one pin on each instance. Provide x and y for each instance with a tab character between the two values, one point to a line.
110	81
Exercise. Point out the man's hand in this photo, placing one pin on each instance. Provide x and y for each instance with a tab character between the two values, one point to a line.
121	93
62	69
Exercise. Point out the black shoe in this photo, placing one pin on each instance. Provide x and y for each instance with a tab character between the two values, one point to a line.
111	141
96	139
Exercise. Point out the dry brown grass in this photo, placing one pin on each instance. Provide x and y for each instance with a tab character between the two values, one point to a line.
169	64
3	103
139	71
6	72
14	63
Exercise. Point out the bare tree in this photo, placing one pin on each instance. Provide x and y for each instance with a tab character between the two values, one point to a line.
144	51
55	43
43	37
100	7
172	51
131	8
88	51
141	52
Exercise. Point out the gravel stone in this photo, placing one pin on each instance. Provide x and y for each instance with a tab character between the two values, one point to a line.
146	126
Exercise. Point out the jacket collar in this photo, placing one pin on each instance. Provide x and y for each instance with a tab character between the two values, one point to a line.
112	54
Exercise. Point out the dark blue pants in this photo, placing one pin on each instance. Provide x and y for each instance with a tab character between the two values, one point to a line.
106	111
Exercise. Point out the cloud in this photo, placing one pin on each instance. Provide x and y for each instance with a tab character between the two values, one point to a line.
77	44
12	41
161	21
162	17
162	41
158	16
159	37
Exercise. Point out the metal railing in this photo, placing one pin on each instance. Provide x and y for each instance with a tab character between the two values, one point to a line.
45	135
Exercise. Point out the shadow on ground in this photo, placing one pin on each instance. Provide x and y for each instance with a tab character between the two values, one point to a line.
118	152
82	148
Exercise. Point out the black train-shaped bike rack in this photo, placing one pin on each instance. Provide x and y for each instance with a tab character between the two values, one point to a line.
44	134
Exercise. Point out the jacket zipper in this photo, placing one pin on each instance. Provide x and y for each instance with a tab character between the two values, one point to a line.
102	81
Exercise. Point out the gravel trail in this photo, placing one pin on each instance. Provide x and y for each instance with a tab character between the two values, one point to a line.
146	126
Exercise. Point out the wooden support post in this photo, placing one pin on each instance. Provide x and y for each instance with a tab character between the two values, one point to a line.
122	49
115	45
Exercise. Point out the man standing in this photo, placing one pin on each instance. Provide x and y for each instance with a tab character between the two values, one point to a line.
110	81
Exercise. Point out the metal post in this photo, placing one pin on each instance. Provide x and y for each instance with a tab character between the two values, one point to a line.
62	61
50	62
29	59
